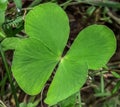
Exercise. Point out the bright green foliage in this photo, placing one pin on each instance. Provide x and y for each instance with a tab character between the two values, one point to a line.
3	6
10	43
36	57
51	26
94	45
70	76
35	63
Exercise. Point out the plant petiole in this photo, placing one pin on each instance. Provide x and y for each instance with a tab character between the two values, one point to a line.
9	76
79	103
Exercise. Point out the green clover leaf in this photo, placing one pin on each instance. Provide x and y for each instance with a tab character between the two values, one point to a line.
36	57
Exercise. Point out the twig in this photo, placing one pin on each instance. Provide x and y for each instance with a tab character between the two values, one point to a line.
113	63
28	8
87	87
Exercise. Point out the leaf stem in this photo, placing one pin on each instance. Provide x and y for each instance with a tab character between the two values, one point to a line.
79	99
9	76
102	82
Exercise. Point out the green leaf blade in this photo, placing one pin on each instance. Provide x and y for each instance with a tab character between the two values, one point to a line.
69	78
94	45
32	65
50	24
